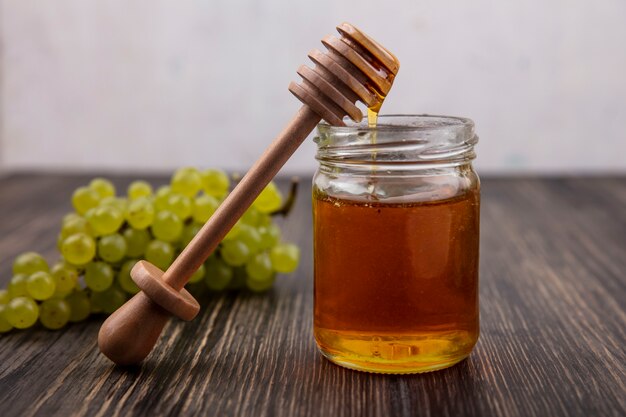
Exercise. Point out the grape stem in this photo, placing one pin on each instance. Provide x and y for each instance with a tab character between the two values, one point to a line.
291	199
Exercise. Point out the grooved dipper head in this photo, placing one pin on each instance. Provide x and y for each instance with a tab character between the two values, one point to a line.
354	68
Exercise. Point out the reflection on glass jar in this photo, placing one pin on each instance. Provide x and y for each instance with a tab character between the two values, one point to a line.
396	233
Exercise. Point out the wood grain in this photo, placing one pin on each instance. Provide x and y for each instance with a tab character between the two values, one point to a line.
553	324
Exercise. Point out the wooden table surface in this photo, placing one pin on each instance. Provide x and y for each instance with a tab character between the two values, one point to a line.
553	324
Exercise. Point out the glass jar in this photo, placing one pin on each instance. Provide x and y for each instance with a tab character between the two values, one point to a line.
396	232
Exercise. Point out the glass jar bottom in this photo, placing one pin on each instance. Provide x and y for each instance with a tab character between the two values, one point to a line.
392	354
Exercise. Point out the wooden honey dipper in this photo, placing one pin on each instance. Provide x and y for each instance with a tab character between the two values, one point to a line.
354	68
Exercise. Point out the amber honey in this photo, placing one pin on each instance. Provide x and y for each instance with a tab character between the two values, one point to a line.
396	284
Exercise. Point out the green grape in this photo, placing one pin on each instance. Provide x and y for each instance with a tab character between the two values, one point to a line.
65	278
264	220
259	268
217	274
160	254
103	187
138	189
70	216
40	285
269	200
136	242
54	313
270	236
251	237
110	300
234	252
85	198
28	263
98	276
140	213
5	326
105	220
262	285
204	207
234	231
198	275
116	202
21	312
78	249
167	226
124	278
251	217
189	231
161	197
285	257
74	225
112	248
178	204
80	306
186	181
5	297
215	182
17	286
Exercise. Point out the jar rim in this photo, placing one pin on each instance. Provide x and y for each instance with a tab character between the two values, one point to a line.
398	141
404	122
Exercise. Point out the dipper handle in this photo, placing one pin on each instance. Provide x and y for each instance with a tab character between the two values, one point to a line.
354	68
128	335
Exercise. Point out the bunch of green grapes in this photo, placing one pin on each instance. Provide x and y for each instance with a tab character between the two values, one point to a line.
107	234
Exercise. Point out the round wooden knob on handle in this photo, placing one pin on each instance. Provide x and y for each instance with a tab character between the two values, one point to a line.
354	68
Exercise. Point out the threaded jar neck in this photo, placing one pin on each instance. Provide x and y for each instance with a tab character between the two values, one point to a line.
398	143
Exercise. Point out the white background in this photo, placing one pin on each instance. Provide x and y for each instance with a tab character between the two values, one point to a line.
151	85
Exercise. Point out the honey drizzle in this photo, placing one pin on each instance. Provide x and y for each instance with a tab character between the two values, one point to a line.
372	117
372	121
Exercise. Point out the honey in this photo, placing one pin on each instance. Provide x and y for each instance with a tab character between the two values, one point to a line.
372	115
396	284
396	258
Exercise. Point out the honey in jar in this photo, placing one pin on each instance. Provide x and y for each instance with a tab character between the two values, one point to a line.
396	233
